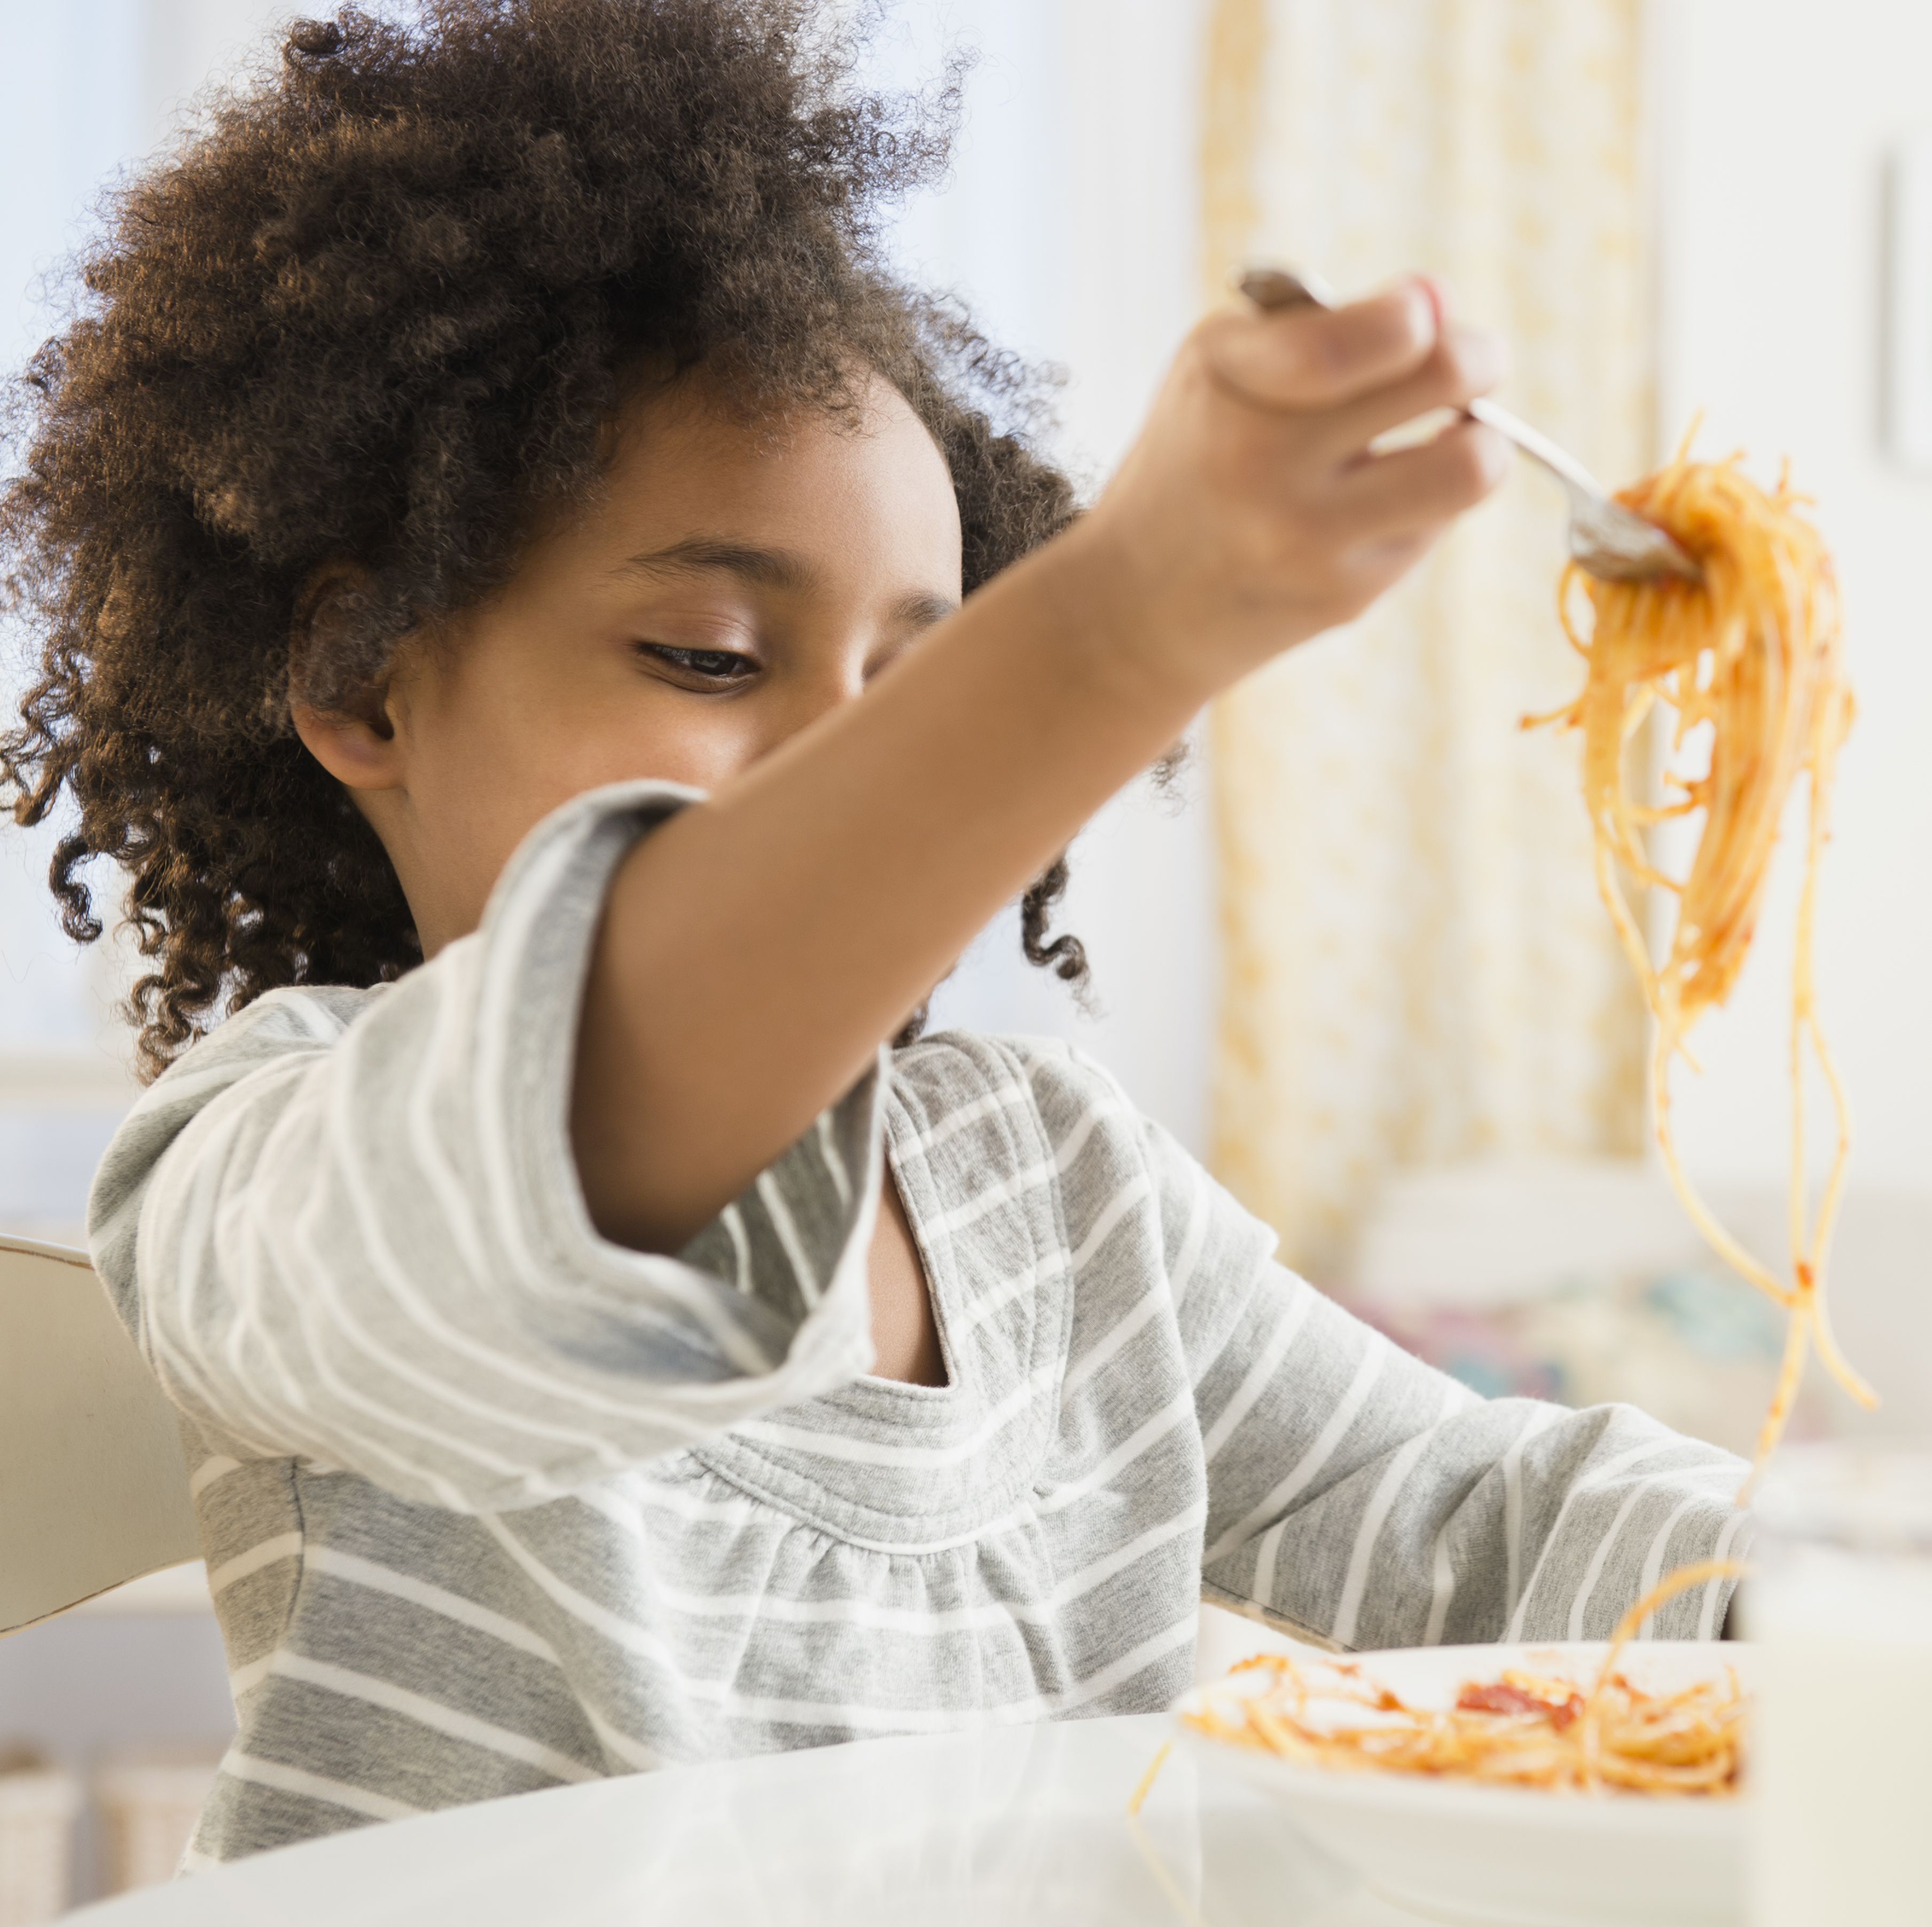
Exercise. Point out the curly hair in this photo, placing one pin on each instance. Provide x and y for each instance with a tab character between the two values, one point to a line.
382	306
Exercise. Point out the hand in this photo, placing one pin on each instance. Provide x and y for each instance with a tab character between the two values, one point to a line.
1251	515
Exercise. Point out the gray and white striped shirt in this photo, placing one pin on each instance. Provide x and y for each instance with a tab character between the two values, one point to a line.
491	1504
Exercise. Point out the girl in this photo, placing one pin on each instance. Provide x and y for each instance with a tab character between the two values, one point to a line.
567	657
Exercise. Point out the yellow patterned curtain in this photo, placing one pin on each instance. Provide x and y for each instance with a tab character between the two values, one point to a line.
1417	968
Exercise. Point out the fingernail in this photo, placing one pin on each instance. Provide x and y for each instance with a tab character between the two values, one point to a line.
1427	313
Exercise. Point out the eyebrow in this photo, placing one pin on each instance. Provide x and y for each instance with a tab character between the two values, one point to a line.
767	569
697	555
920	610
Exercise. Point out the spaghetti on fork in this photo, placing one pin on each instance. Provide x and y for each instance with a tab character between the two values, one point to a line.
1750	659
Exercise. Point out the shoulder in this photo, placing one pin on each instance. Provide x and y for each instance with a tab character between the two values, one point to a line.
284	1026
308	1017
1025	1105
299	1021
1066	1090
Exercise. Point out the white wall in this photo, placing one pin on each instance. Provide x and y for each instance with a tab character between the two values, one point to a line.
186	42
70	87
1775	120
1070	225
86	87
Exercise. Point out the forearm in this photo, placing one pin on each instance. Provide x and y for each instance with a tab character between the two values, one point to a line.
755	952
1361	1494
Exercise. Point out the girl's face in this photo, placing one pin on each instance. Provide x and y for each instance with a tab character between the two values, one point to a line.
733	583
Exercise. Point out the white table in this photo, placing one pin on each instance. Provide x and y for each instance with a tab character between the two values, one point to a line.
1005	1829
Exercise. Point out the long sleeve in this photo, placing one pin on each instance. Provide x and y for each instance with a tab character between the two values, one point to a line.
347	1227
1366	1498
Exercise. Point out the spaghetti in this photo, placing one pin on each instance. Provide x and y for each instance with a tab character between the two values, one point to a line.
1524	1729
1750	660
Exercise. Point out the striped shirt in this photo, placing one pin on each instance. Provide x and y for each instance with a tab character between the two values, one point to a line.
491	1504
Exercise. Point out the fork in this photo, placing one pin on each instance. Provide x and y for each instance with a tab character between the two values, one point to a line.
1606	538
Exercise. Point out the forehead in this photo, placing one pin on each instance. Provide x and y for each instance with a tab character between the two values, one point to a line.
865	488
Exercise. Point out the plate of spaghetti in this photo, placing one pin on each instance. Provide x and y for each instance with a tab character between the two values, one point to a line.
1572	1785
1577	1785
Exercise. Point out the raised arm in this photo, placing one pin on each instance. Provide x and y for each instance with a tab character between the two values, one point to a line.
754	955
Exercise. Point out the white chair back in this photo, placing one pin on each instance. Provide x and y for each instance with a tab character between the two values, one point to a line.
93	1487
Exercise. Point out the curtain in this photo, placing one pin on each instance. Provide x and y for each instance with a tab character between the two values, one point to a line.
1416	968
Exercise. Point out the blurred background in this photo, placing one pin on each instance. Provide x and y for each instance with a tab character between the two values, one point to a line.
1355	960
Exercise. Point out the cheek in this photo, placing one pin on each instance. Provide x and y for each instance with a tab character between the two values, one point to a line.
637	728
704	748
521	723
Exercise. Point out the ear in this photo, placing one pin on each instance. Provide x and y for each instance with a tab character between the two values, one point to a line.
347	725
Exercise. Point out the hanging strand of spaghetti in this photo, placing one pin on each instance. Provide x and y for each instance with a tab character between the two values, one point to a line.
1750	660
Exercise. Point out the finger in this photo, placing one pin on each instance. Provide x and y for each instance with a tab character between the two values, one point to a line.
1466	363
1411	489
1310	358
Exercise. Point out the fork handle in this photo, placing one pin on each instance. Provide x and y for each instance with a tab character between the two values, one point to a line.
1538	447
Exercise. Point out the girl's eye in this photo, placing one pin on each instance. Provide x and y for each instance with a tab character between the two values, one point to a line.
712	669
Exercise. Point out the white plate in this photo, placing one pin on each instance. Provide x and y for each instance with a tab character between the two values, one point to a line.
1505	1856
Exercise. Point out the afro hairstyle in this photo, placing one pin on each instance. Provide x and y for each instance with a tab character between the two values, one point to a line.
381	306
